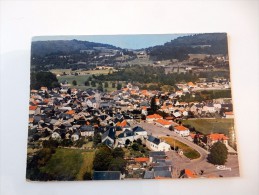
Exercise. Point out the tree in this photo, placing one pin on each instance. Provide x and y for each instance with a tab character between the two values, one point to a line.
102	159
44	79
100	87
113	85
93	83
153	105
87	176
118	153
87	83
117	164
66	143
127	142
106	84
135	147
74	82
97	139
218	154
119	86
69	91
50	143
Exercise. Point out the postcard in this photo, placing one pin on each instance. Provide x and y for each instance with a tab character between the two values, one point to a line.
125	107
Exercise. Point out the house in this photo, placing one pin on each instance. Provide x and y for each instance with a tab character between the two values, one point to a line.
153	118
209	108
86	130
32	109
182	131
215	137
139	132
157	174
91	103
156	144
126	135
229	115
163	123
187	173
55	136
75	137
107	175
108	137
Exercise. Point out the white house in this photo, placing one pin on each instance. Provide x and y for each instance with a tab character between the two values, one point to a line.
87	130
91	103
126	135
139	133
153	118
55	136
163	123
75	137
209	109
181	130
156	144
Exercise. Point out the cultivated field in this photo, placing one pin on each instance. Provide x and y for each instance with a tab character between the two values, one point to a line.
207	126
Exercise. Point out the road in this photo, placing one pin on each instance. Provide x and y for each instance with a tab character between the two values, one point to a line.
180	163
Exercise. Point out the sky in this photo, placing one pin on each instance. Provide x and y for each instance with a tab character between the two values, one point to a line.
122	41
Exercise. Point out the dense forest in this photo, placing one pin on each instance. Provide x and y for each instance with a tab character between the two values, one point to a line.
63	47
179	48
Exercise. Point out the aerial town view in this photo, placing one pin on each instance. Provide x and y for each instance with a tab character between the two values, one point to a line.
128	107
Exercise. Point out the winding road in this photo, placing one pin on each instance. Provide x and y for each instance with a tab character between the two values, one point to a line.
196	165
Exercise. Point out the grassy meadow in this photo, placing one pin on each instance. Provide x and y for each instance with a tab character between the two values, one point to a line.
70	164
187	151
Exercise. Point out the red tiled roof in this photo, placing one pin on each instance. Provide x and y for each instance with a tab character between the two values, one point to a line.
163	122
229	113
154	116
217	136
141	159
181	128
32	107
70	112
190	173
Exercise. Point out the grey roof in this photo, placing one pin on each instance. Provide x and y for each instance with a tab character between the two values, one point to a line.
149	175
161	168
36	119
110	133
108	142
106	175
126	133
163	174
86	128
156	153
138	129
153	139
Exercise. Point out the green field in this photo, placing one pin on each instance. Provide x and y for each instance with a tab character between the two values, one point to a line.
69	164
80	79
187	151
85	72
207	126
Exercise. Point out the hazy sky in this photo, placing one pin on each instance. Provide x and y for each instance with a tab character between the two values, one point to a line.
123	41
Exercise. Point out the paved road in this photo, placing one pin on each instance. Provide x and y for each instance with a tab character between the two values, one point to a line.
196	165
